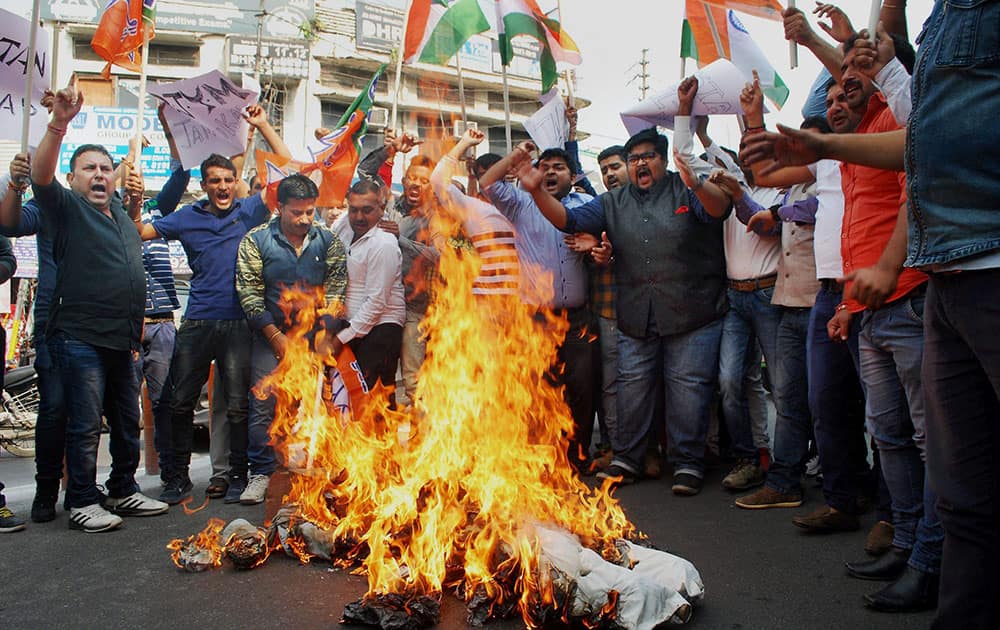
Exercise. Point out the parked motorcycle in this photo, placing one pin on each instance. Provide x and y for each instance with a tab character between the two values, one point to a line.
19	412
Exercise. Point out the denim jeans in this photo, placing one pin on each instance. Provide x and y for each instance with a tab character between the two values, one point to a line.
259	450
608	341
837	405
891	350
961	375
218	445
95	380
154	367
688	363
198	342
50	426
793	425
751	319
412	353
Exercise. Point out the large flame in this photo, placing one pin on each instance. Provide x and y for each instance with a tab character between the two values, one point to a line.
444	493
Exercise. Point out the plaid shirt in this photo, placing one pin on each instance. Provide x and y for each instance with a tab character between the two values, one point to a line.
602	291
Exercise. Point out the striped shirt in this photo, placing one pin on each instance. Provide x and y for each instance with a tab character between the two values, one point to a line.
491	233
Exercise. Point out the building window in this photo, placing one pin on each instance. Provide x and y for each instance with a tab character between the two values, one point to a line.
159	54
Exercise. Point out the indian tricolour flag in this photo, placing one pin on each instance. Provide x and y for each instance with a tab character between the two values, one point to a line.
524	17
711	33
437	29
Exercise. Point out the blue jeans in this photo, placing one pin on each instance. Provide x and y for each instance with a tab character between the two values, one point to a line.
687	362
259	451
154	367
837	405
95	380
793	425
891	350
50	427
751	316
608	340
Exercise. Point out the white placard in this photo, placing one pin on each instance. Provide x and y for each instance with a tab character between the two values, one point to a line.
205	114
548	127
14	33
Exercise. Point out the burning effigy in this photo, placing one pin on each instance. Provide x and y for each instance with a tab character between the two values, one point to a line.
468	491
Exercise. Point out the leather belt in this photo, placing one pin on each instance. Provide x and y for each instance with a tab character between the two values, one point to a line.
158	319
753	284
830	285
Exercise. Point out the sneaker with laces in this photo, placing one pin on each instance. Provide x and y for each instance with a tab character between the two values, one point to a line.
136	504
93	518
769	498
178	489
686	484
618	475
10	522
256	490
746	474
237	484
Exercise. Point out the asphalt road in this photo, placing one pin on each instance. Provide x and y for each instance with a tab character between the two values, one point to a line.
759	571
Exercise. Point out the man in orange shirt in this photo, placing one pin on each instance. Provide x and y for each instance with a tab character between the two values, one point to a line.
891	351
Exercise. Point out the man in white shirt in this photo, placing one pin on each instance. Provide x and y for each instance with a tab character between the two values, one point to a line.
375	306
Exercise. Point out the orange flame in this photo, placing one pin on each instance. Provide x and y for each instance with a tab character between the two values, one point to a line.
434	493
206	541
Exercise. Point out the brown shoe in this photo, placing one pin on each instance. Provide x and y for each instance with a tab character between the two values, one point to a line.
825	520
879	538
769	498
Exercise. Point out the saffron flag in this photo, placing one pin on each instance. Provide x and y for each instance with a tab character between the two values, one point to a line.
119	36
710	33
333	161
524	17
767	9
437	29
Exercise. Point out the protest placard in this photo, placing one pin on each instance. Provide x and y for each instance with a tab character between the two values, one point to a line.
205	114
719	87
548	127
14	34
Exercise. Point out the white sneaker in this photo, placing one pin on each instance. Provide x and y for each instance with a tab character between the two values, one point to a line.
256	490
93	518
136	504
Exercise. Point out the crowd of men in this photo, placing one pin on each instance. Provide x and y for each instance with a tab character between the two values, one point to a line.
858	256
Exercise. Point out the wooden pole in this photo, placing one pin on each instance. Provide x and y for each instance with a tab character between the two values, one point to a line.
141	111
30	79
461	88
399	68
506	109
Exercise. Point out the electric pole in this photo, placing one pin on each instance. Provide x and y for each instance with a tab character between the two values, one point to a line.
643	74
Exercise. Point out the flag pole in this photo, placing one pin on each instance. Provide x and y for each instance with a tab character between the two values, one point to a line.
566	77
399	66
506	108
30	79
683	66
793	50
141	110
461	87
873	19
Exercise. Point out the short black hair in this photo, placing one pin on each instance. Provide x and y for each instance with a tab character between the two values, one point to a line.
557	153
819	123
216	160
904	50
89	148
486	160
615	150
658	140
364	187
829	84
296	186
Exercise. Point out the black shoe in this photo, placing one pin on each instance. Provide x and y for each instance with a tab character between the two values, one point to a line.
686	485
886	567
618	475
237	484
913	591
178	489
43	509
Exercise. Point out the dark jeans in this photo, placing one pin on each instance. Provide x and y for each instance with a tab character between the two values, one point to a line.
259	450
837	405
574	369
198	343
154	368
50	426
961	376
96	379
793	425
378	355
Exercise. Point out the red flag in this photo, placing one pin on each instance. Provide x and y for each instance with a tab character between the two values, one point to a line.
119	36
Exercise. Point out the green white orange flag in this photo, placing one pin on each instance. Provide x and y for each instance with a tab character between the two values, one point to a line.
710	33
333	162
524	17
119	36
437	29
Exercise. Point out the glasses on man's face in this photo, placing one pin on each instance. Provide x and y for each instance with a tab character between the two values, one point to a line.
645	157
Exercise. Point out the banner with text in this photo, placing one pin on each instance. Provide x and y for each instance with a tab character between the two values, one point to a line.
14	33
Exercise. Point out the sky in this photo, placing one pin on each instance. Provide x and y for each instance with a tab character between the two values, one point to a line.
611	36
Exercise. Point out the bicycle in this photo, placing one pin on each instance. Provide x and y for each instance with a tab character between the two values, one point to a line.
19	412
